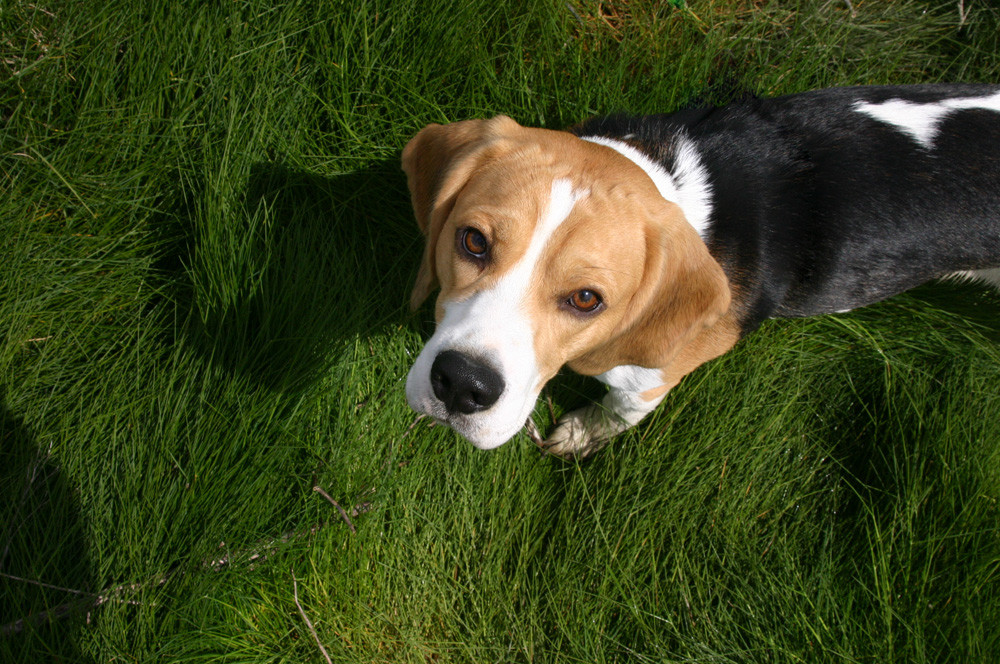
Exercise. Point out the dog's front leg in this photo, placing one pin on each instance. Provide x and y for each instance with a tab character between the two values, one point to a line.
634	393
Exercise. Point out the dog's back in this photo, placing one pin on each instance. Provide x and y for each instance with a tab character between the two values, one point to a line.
829	200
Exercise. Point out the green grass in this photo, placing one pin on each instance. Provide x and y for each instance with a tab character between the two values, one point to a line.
205	251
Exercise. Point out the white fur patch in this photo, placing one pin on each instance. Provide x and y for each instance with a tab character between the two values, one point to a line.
627	383
687	186
989	276
493	325
632	378
921	120
659	175
694	193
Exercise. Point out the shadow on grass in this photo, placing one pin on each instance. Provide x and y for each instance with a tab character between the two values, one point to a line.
305	263
919	392
46	575
917	455
971	300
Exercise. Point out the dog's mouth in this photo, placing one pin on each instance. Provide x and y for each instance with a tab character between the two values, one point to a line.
483	429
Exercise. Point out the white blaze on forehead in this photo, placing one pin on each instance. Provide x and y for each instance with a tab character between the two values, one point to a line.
494	325
562	199
921	120
501	312
507	299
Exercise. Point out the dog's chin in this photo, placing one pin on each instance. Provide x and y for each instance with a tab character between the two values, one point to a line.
487	440
475	428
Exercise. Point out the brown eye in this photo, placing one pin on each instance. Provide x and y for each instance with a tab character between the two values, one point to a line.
585	300
474	243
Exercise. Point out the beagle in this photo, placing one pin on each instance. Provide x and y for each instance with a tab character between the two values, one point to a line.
635	249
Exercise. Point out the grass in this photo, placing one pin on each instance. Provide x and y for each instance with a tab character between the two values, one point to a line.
205	251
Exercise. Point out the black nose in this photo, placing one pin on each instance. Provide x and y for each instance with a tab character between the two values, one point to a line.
464	384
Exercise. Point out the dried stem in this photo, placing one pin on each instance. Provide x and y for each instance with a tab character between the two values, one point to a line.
302	612
318	489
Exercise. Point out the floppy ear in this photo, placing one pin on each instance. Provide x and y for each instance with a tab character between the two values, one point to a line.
684	292
438	161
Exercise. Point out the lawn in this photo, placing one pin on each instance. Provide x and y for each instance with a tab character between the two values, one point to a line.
206	249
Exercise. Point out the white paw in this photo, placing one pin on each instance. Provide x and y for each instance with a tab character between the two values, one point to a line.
582	432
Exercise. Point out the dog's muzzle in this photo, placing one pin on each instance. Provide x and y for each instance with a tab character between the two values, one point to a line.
463	384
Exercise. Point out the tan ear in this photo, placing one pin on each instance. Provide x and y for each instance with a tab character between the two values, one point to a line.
684	292
438	161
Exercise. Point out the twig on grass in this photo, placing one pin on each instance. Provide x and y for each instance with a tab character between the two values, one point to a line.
410	428
576	14
86	602
302	612
259	552
963	13
532	430
32	6
318	489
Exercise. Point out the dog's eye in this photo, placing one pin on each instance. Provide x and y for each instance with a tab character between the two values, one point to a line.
585	300
474	243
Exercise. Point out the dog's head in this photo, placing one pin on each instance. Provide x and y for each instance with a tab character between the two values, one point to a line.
549	250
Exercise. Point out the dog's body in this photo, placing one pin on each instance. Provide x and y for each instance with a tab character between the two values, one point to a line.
637	248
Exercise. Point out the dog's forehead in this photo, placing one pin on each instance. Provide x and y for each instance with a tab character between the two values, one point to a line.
522	174
582	253
599	227
598	238
515	186
507	190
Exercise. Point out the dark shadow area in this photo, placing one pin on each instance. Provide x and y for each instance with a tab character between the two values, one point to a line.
46	587
913	440
565	392
917	491
973	301
303	263
887	421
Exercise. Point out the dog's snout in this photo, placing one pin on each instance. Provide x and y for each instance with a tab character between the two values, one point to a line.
463	384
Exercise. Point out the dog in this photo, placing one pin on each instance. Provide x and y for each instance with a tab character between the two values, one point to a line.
635	249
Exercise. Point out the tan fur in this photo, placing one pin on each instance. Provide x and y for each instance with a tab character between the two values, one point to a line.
438	161
708	345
